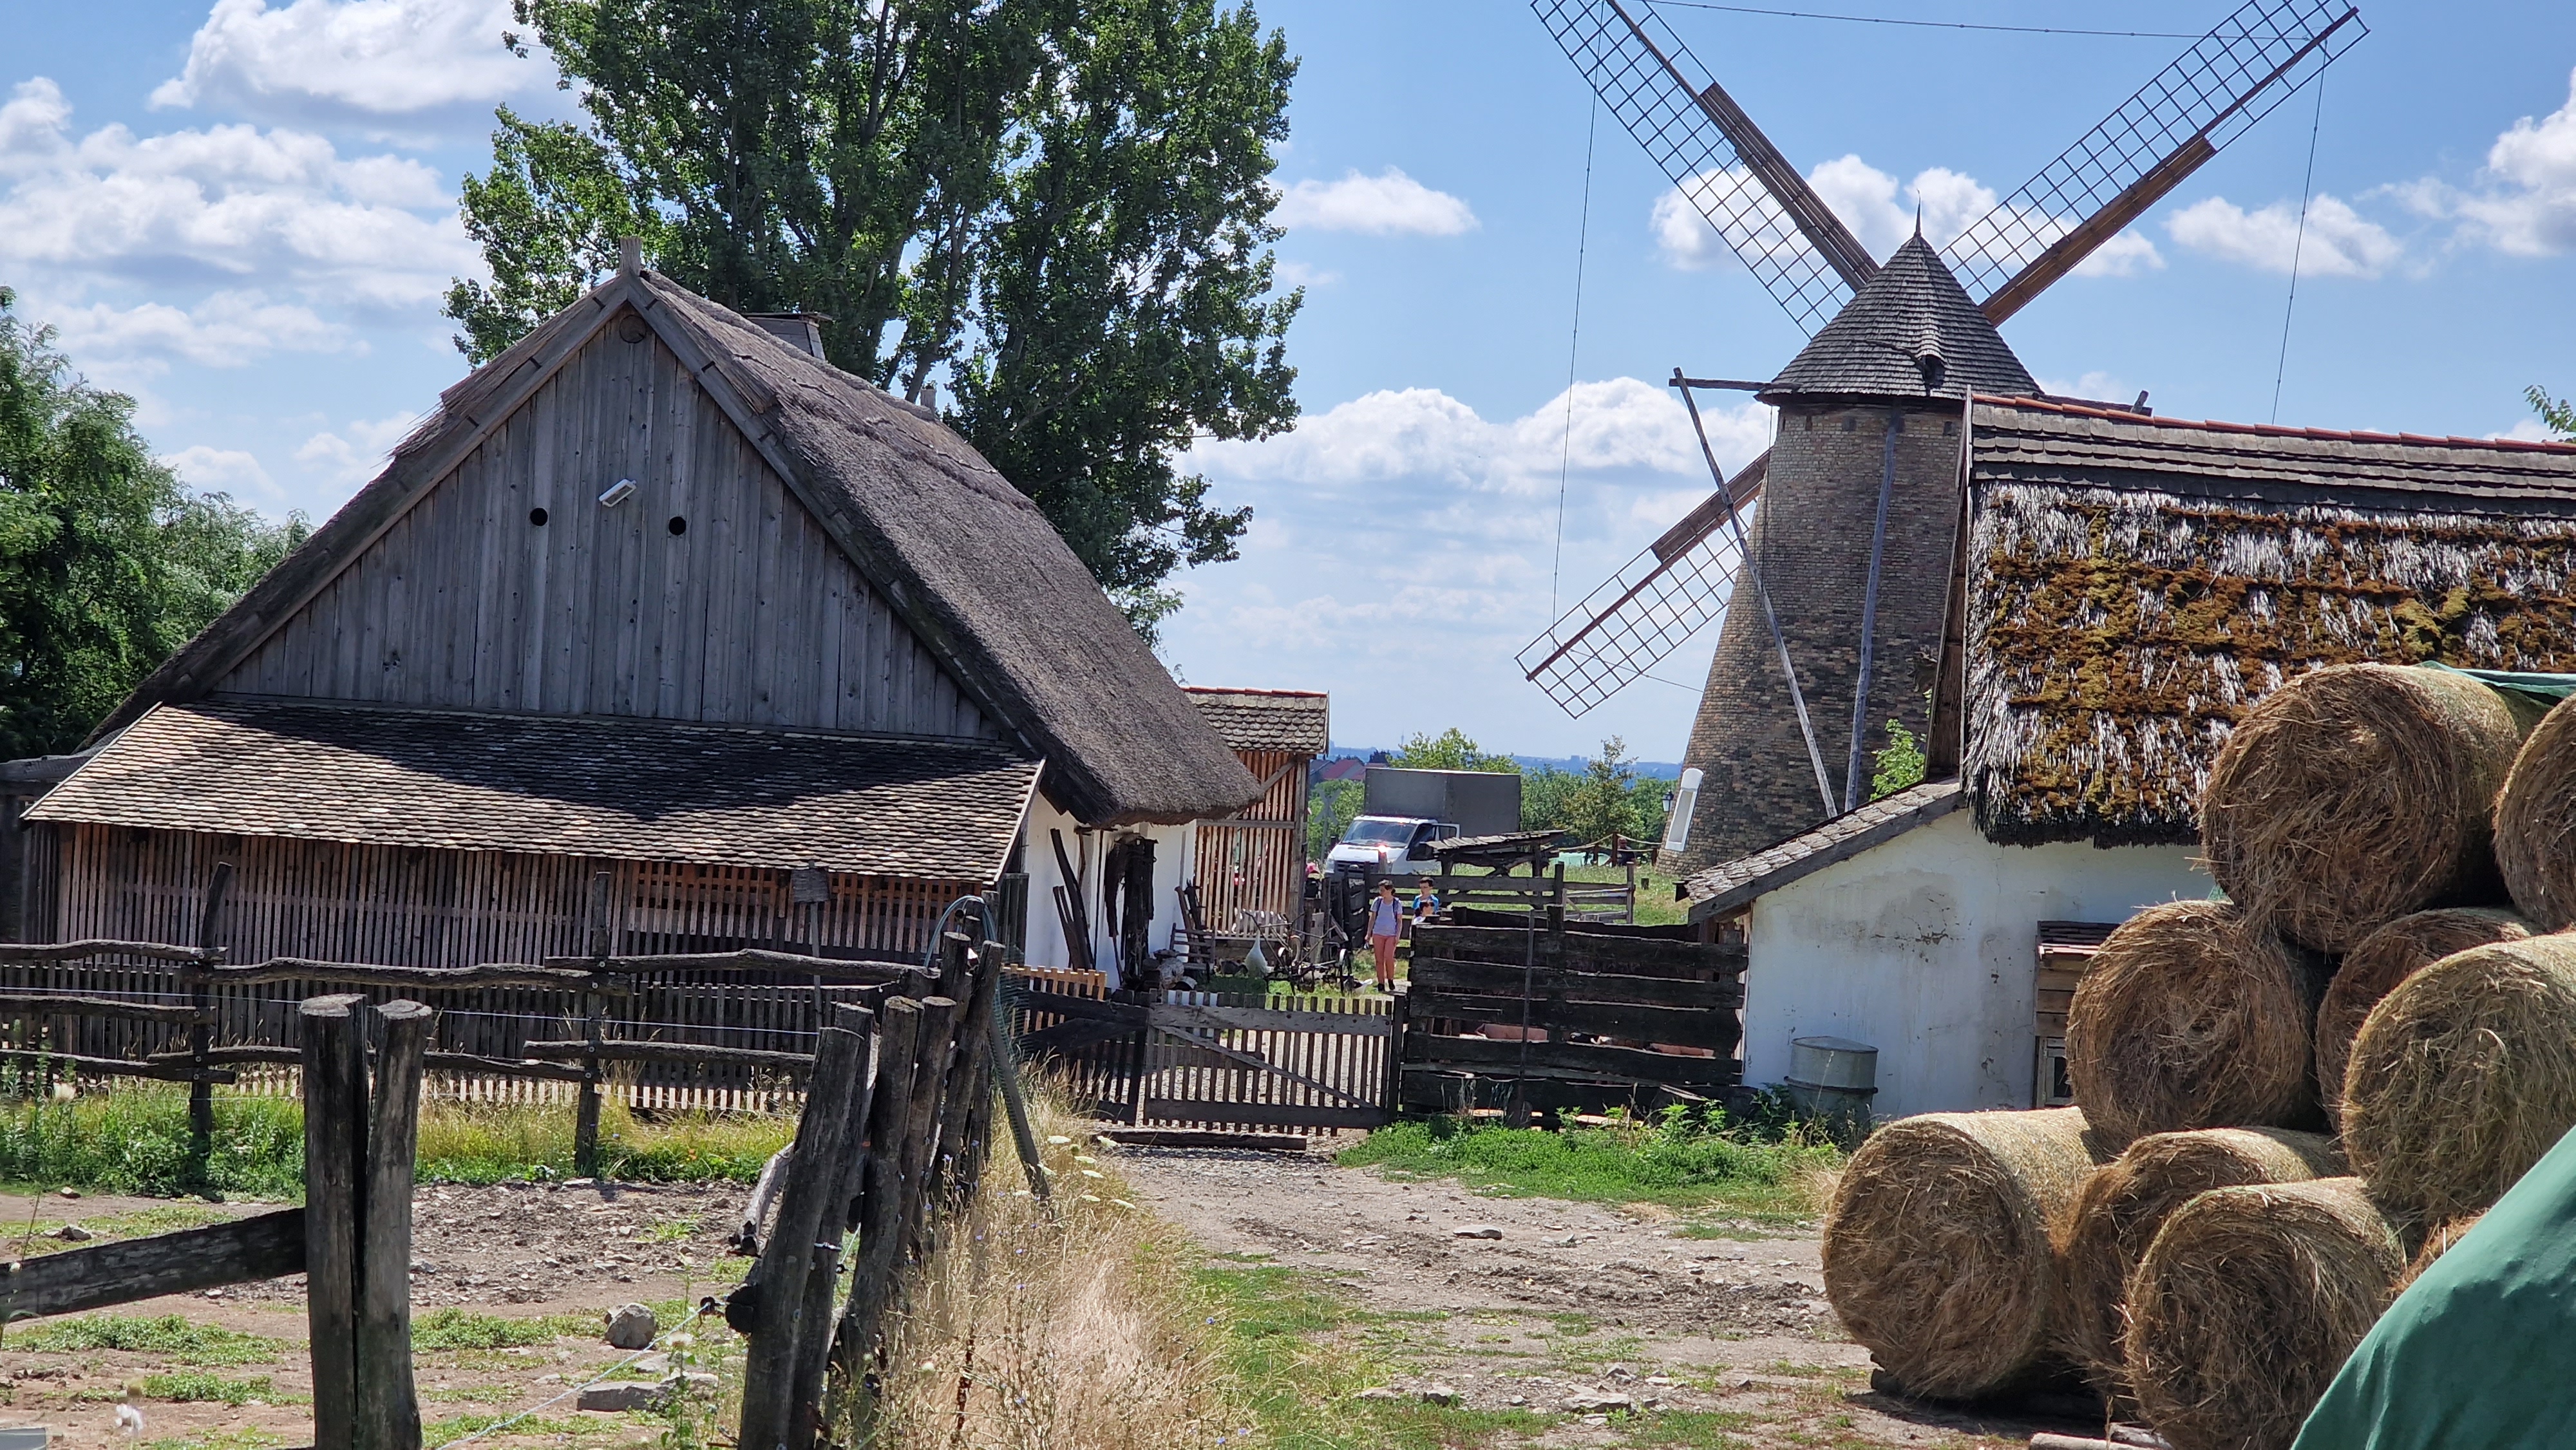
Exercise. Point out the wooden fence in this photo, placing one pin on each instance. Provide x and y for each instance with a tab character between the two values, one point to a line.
1210	1059
1518	1017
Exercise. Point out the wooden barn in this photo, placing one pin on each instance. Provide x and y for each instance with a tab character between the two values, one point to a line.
657	593
2124	590
1255	860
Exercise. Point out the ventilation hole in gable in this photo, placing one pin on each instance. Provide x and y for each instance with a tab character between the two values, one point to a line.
678	525
537	517
631	328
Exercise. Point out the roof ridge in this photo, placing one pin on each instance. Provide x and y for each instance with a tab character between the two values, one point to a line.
2276	430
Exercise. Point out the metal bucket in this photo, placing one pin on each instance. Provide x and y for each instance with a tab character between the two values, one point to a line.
1831	1080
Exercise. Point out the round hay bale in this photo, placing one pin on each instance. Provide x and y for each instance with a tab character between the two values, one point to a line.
2535	823
2463	1076
2437	1243
2116	1214
2356	794
2188	1018
2246	1303
2385	958
1936	1250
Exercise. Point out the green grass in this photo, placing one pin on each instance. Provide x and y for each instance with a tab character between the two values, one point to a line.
135	1140
193	1384
1656	904
1673	1161
248	1437
168	1338
534	1427
454	1328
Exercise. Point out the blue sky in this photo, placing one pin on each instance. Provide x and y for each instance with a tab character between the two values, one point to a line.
244	214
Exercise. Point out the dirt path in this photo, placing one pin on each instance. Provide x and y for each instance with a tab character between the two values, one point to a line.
1563	1305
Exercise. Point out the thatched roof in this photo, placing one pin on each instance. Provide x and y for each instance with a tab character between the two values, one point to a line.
2135	585
1298	722
458	780
1909	332
968	562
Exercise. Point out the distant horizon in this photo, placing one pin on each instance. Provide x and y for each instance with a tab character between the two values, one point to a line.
1649	769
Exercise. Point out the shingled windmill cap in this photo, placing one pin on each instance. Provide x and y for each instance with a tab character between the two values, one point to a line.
1909	332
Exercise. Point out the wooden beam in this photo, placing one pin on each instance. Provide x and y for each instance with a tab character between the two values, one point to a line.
243	1251
1287	1115
683	1052
1500	979
388	1403
46	953
49	1004
1712	1027
178	1071
425	979
1493	1058
335	1156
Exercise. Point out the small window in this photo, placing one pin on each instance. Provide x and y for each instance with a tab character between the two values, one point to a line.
678	526
537	517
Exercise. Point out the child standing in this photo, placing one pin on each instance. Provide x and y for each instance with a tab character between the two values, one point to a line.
1386	923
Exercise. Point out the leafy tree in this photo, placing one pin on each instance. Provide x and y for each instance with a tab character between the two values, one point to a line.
1601	803
1331	806
106	563
1062	205
1899	765
2558	415
1449	750
1544	793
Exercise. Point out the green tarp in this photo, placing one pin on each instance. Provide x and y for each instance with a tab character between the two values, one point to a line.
2480	1353
2547	689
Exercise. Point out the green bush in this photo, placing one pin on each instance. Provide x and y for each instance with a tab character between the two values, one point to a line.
136	1141
1677	1159
167	1337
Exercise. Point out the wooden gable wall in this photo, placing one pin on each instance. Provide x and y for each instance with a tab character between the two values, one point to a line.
750	616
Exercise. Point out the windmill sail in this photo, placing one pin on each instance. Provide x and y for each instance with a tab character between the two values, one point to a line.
2230	78
1713	152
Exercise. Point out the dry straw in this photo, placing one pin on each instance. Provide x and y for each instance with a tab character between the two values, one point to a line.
2117	1212
2535	824
2463	1076
2188	1018
2247	1302
2356	794
2437	1243
1936	1251
2385	958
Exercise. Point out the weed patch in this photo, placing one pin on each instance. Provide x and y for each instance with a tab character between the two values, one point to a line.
168	1338
1673	1160
464	1329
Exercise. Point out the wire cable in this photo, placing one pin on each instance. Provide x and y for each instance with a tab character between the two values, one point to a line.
1565	459
2298	243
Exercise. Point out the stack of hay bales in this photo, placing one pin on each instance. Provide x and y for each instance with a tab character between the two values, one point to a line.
2283	1096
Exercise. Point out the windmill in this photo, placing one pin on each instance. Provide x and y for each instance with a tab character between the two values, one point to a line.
1846	555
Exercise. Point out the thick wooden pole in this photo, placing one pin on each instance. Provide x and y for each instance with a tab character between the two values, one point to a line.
816	1321
965	1109
388	1405
201	1036
335	1152
770	1418
921	1128
881	1206
585	1127
1006	1067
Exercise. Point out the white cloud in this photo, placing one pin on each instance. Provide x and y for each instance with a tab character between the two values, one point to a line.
2529	430
2097	385
277	208
227	469
2526	205
1299	274
228	329
2339	242
361	454
1880	212
362	60
1386	204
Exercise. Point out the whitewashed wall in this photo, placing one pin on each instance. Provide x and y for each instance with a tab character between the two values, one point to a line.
1173	846
1924	948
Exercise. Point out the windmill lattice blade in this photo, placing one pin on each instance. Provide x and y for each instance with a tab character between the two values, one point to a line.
2229	79
1650	608
1655	86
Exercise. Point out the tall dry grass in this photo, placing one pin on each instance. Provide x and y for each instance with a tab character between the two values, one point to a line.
1070	1330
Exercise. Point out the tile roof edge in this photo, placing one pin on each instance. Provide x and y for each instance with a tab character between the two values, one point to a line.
2275	430
209	703
1818	847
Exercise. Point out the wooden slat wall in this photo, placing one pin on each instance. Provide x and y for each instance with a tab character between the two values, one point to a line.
1255	860
752	616
412	907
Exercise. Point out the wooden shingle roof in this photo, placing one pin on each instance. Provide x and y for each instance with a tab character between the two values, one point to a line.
1909	332
1295	721
557	785
2135	585
1725	889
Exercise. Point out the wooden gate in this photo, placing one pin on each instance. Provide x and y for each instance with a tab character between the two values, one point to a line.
1614	1018
1212	1059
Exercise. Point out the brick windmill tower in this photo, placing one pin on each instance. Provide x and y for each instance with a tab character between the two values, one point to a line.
1829	559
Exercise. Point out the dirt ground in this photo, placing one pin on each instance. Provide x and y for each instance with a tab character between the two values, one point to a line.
1567	1303
568	1254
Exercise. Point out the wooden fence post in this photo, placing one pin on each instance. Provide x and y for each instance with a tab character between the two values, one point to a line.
969	1094
1006	1065
816	1322
585	1128
388	1404
201	1034
881	1206
770	1417
921	1126
335	1142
